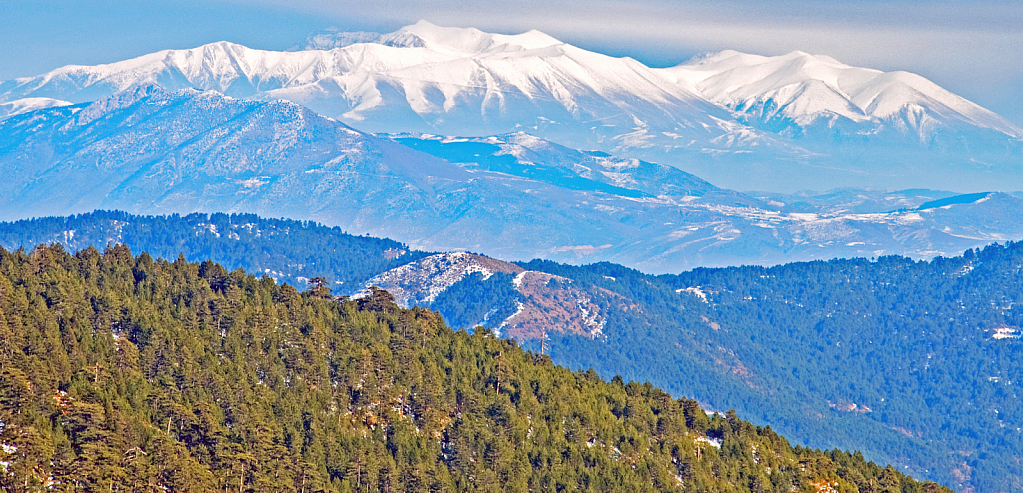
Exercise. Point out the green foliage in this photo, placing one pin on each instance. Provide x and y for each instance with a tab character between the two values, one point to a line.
288	250
122	373
474	300
910	343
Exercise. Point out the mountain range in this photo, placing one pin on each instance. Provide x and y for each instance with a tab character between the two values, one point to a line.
513	196
741	121
522	147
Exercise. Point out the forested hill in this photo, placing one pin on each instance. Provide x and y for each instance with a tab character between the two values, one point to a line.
285	249
915	363
122	373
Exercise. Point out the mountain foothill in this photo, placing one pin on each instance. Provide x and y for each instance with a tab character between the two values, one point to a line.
443	259
852	354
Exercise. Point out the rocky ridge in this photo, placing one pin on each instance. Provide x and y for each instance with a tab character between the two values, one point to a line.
543	302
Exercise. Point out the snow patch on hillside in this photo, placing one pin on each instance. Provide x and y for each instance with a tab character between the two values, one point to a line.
423	280
553	304
1007	333
25	105
695	291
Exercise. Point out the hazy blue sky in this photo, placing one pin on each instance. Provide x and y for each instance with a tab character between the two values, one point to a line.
974	48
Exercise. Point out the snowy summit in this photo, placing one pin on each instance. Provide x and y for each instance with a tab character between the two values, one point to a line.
796	113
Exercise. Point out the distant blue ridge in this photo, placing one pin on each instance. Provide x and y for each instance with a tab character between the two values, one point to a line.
968	198
486	156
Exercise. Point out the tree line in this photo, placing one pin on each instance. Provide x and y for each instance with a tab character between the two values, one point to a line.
128	373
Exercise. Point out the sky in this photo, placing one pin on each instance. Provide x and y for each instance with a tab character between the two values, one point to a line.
973	48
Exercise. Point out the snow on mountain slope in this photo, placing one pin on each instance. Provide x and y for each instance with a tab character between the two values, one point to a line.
465	41
551	303
150	151
225	67
421	281
528	156
161	152
427	78
146	150
461	41
740	121
24	105
802	89
496	83
543	302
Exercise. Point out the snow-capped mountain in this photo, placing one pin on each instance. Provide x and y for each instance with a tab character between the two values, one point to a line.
456	41
741	121
799	93
429	79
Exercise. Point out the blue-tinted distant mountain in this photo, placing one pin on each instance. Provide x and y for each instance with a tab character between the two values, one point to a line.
522	154
513	196
740	121
704	225
151	150
287	250
146	150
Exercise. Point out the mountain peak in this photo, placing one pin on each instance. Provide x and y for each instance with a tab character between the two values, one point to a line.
463	81
466	41
472	40
771	87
